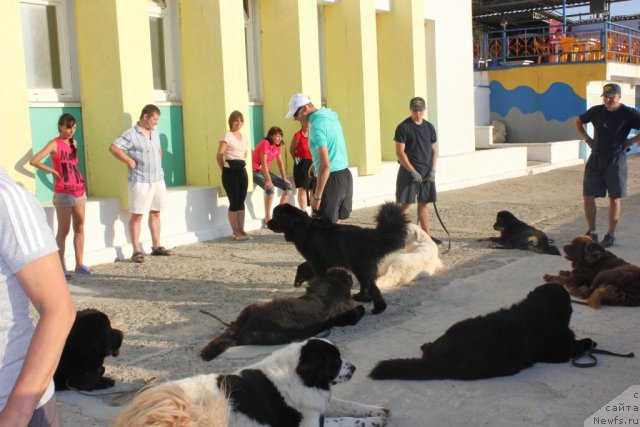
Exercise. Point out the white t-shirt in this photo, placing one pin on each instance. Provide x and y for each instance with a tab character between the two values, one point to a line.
236	148
24	237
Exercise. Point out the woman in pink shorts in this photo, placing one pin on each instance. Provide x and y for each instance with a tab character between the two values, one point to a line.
69	189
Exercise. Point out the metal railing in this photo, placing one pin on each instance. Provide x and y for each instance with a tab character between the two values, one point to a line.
551	45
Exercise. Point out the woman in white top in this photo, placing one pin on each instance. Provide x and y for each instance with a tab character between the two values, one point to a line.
231	156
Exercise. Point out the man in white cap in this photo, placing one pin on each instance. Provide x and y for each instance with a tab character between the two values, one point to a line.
334	187
606	168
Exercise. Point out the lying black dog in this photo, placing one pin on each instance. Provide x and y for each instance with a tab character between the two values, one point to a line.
324	245
516	234
497	344
91	339
326	303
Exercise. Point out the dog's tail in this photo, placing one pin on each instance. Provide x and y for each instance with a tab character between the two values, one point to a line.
547	249
217	346
391	231
404	369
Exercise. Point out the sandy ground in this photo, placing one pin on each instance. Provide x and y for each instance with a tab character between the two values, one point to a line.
157	306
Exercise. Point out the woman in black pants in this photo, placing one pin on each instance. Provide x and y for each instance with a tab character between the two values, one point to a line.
231	156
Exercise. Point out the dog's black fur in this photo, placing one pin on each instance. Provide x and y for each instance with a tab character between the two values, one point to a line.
326	303
497	344
516	234
91	339
358	249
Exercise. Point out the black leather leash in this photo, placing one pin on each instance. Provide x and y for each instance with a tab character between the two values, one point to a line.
435	208
593	361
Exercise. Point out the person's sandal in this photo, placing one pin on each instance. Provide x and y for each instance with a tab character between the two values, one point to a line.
137	257
83	269
160	251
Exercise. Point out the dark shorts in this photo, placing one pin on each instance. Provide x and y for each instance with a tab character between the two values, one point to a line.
407	190
337	196
46	415
605	175
301	174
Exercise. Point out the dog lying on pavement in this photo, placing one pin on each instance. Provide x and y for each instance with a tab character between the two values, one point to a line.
497	344
326	303
598	275
90	341
292	387
516	234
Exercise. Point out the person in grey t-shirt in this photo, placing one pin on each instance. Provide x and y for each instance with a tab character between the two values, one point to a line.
30	271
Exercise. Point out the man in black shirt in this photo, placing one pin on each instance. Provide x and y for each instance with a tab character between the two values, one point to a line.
606	168
415	140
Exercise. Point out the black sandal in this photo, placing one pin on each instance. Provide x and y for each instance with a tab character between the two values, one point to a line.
137	257
160	250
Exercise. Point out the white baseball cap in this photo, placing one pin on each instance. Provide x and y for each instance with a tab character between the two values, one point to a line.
297	101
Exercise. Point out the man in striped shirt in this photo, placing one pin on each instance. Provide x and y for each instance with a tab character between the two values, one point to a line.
30	271
139	148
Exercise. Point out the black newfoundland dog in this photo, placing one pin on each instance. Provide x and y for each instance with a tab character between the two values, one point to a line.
497	344
326	303
516	234
91	339
325	245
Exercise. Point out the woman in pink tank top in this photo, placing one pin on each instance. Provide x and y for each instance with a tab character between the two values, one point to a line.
69	189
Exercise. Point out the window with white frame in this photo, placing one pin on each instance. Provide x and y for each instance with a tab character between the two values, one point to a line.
49	50
164	49
252	44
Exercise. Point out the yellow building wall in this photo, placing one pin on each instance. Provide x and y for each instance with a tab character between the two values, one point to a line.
352	79
401	66
214	81
114	61
290	60
14	107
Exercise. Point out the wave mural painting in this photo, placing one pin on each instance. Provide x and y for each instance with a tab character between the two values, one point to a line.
559	102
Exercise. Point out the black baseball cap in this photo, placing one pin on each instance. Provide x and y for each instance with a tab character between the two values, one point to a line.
417	104
610	90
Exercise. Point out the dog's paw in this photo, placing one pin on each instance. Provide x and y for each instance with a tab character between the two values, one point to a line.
549	278
379	308
105	382
362	297
297	284
564	273
360	310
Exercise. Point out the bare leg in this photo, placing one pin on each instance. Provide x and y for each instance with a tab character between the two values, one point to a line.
615	209
590	211
134	231
423	216
154	228
302	198
64	224
268	201
240	222
233	222
285	197
77	213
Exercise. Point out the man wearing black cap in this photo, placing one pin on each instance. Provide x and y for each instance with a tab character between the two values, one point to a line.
606	168
415	140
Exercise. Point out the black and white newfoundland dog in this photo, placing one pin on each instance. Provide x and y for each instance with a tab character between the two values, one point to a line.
326	303
324	245
90	341
292	387
517	234
497	344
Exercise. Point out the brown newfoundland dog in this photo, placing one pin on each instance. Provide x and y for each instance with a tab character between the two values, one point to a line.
90	341
324	245
497	344
326	303
517	234
598	276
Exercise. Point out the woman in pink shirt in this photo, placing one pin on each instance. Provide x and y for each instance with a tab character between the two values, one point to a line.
264	153
69	197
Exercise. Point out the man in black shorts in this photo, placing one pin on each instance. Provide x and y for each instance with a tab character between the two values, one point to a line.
416	140
606	169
